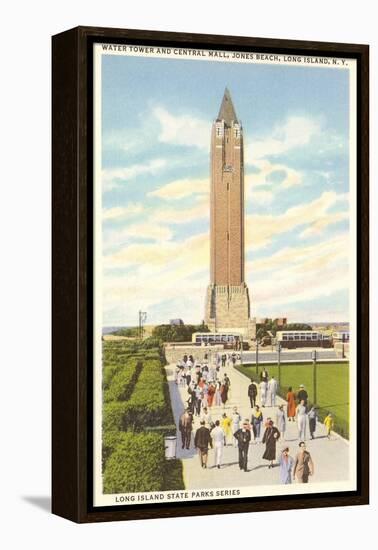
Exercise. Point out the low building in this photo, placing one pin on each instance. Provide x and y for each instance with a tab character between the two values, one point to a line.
263	321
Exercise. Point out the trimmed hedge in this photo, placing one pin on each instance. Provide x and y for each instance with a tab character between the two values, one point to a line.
137	464
108	372
122	382
110	441
137	415
113	416
148	405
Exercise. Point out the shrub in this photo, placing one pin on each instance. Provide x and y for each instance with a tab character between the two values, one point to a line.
110	440
177	333
113	416
136	464
147	405
107	374
122	383
173	476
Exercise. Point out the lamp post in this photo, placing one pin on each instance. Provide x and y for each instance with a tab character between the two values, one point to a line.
142	320
314	374
279	362
257	357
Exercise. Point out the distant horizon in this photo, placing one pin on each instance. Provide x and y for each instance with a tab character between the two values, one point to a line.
108	327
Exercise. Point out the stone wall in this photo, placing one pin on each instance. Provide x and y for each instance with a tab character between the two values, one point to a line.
228	309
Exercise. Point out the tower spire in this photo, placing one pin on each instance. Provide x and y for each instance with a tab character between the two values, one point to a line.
227	110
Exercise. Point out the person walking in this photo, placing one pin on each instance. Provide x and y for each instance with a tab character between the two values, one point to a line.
226	381
224	393
202	440
301	416
312	419
329	424
226	427
291	406
252	393
286	463
210	394
273	387
217	394
236	419
185	427
217	436
264	376
281	421
302	395
270	438
263	392
198	400
256	421
243	437
206	416
303	465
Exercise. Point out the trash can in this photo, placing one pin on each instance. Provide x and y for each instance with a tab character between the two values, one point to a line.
170	446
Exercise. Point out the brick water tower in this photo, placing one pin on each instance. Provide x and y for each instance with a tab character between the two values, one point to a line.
227	298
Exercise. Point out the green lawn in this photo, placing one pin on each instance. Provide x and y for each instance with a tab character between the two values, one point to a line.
332	386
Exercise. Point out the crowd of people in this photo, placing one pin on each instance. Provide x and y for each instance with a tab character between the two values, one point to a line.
208	388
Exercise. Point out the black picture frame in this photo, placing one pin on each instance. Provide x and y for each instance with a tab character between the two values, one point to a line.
72	271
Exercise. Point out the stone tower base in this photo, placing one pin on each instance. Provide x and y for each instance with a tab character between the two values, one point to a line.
228	310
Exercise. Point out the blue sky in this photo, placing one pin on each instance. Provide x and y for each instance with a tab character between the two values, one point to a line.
156	123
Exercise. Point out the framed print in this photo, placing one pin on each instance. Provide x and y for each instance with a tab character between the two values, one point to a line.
210	274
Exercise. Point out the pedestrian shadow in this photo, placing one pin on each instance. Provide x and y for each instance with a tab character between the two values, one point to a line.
185	453
228	464
259	467
179	405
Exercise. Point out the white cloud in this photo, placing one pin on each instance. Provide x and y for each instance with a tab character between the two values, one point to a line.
261	229
172	271
262	197
266	173
183	129
300	275
182	188
282	283
295	132
143	230
114	177
121	212
166	253
303	258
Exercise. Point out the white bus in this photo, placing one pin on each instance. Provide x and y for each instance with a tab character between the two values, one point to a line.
230	340
302	339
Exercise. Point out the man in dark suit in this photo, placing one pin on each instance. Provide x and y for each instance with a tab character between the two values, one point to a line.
252	393
202	440
243	436
185	427
302	395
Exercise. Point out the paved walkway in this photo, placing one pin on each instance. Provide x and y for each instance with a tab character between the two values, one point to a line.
331	457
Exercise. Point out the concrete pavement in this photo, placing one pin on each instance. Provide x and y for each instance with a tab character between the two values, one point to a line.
331	457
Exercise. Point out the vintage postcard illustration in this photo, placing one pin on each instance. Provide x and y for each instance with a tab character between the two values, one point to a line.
225	274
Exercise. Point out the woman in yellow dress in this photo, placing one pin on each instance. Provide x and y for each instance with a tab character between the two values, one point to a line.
329	424
226	427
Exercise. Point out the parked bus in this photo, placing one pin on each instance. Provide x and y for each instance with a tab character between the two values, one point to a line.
291	339
229	340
